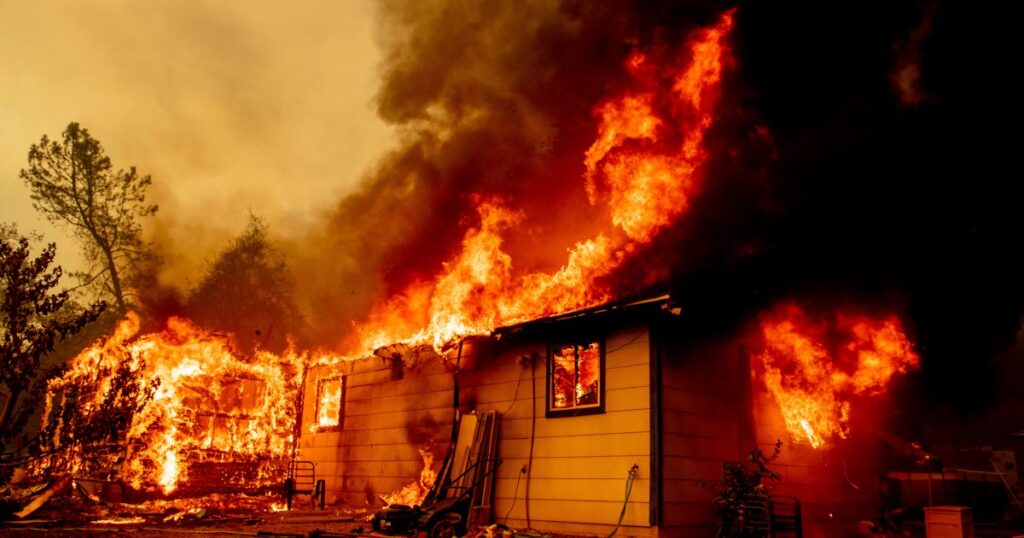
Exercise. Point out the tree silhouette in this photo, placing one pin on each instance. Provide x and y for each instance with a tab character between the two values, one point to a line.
248	291
74	184
32	319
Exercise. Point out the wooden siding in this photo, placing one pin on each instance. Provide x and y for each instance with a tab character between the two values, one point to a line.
700	429
824	479
389	415
580	464
714	411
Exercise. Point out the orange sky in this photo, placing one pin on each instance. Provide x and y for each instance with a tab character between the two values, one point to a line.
230	106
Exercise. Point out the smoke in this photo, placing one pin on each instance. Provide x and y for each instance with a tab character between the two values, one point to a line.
231	107
906	73
867	198
821	182
489	100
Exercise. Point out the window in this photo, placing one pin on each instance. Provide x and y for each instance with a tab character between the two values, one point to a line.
330	404
575	378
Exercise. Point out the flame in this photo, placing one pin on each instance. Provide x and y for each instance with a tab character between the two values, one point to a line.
204	398
643	165
329	406
414	493
119	521
813	368
641	172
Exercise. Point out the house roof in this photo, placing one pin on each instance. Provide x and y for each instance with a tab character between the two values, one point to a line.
625	307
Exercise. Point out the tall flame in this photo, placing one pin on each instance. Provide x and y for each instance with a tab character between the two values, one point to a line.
643	165
812	368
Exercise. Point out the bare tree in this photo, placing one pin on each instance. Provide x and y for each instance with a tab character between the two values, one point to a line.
74	184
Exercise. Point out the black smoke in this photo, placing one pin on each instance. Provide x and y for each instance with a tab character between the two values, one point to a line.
826	182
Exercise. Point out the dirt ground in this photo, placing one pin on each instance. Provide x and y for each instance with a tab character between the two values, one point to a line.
228	515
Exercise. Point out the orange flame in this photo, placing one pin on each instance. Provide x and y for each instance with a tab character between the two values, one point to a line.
812	381
416	491
206	399
643	165
329	406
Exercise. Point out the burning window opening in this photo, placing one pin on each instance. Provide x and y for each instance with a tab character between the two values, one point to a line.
814	367
575	381
330	404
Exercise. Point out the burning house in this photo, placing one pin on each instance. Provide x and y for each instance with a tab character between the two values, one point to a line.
523	337
583	398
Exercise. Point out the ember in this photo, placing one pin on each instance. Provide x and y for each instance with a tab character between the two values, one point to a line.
813	367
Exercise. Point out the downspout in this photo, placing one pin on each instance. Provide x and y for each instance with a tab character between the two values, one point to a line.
533	435
455	394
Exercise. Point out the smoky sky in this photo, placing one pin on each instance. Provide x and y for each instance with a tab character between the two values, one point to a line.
231	107
490	99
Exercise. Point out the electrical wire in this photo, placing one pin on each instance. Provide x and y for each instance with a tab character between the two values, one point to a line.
515	395
515	496
631	341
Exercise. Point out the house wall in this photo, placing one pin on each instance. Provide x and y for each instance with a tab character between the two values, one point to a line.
702	412
837	484
579	464
715	410
389	414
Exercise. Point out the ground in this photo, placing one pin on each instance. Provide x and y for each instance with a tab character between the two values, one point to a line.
213	515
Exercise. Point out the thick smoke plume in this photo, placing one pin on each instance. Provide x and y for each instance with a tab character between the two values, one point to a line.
823	184
490	100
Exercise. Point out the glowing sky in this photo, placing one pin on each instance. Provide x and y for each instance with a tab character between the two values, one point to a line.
230	106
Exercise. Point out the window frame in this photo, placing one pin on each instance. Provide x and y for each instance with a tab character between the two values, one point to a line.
552	412
323	381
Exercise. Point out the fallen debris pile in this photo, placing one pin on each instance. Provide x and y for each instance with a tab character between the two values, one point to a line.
64	506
